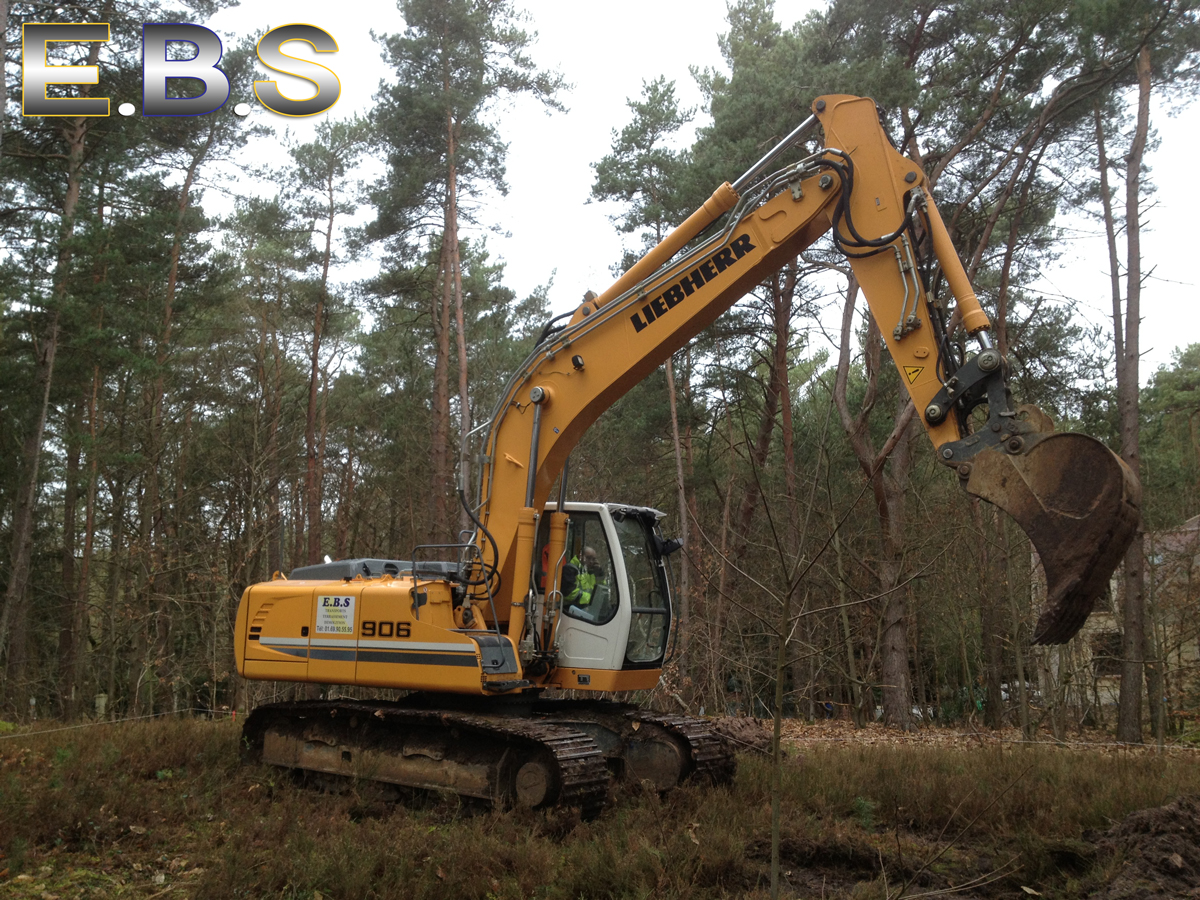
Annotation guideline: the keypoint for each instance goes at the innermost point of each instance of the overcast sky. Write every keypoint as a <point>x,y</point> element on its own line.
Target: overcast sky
<point>546,230</point>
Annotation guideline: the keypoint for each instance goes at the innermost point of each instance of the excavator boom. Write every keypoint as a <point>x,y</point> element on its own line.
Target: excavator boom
<point>1074,498</point>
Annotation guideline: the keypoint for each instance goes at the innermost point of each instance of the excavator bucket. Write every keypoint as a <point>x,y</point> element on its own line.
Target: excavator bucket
<point>1079,504</point>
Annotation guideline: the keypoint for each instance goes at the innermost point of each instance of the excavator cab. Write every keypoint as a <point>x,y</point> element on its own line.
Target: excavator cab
<point>612,610</point>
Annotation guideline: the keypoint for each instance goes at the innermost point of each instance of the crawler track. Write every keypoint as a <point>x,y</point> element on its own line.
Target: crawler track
<point>543,754</point>
<point>506,760</point>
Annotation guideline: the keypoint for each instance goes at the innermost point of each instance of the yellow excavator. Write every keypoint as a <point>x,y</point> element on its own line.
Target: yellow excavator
<point>551,594</point>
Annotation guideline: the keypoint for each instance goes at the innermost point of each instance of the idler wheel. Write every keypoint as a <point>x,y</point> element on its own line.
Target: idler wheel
<point>533,784</point>
<point>660,762</point>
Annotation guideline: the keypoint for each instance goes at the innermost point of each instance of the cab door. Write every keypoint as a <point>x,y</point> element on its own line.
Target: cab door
<point>594,621</point>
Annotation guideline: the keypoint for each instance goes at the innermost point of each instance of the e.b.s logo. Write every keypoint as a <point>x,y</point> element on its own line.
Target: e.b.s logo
<point>37,74</point>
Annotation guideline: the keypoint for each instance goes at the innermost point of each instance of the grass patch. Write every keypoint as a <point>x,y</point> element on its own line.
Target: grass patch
<point>132,810</point>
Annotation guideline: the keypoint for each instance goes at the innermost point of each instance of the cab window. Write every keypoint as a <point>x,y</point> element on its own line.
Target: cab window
<point>589,584</point>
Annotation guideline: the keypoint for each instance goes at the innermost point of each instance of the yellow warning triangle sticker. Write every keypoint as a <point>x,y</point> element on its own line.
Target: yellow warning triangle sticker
<point>912,372</point>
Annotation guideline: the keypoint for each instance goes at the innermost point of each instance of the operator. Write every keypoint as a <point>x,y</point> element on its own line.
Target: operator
<point>589,586</point>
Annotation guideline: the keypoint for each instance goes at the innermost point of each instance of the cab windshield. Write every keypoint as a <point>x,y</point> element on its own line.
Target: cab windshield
<point>651,621</point>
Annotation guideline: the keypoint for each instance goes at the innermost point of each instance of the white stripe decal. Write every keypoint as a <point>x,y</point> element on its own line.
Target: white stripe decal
<point>416,645</point>
<point>284,642</point>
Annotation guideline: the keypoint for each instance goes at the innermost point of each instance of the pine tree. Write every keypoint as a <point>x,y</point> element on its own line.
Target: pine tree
<point>454,62</point>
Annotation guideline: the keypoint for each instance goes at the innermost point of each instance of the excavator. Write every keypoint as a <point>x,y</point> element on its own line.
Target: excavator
<point>574,598</point>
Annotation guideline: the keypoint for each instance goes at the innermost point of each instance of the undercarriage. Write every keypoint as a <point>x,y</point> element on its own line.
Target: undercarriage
<point>538,754</point>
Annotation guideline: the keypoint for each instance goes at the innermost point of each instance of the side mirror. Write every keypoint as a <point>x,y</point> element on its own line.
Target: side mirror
<point>667,547</point>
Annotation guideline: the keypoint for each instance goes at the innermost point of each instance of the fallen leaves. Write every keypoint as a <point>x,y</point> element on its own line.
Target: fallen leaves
<point>966,736</point>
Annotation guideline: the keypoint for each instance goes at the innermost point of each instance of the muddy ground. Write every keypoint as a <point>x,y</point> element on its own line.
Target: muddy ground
<point>1158,852</point>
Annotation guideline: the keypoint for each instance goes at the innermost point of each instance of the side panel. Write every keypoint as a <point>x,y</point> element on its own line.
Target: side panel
<point>369,632</point>
<point>240,630</point>
<point>413,648</point>
<point>273,621</point>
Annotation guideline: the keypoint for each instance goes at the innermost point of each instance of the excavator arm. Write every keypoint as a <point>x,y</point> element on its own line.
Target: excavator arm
<point>1074,498</point>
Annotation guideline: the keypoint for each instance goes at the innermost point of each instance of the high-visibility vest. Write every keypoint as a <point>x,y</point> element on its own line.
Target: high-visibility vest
<point>585,585</point>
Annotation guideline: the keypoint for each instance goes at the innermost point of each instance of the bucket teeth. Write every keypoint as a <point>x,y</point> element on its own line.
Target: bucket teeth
<point>1079,505</point>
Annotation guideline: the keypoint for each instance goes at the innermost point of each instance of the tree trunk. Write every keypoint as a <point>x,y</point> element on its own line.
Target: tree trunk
<point>3,55</point>
<point>717,608</point>
<point>323,431</point>
<point>897,684</point>
<point>1129,709</point>
<point>68,636</point>
<point>992,603</point>
<point>13,617</point>
<point>158,543</point>
<point>1018,643</point>
<point>781,660</point>
<point>847,636</point>
<point>346,498</point>
<point>312,471</point>
<point>1155,664</point>
<point>684,592</point>
<point>783,322</point>
<point>13,620</point>
<point>272,388</point>
<point>439,525</point>
<point>299,552</point>
<point>115,577</point>
<point>81,620</point>
<point>888,493</point>
<point>782,295</point>
<point>464,397</point>
<point>312,484</point>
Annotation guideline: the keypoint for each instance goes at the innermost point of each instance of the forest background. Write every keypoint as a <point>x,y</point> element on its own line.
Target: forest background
<point>218,362</point>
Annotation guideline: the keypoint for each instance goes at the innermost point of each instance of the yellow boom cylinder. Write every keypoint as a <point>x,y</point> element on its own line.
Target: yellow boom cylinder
<point>721,201</point>
<point>555,552</point>
<point>555,547</point>
<point>973,317</point>
<point>526,532</point>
